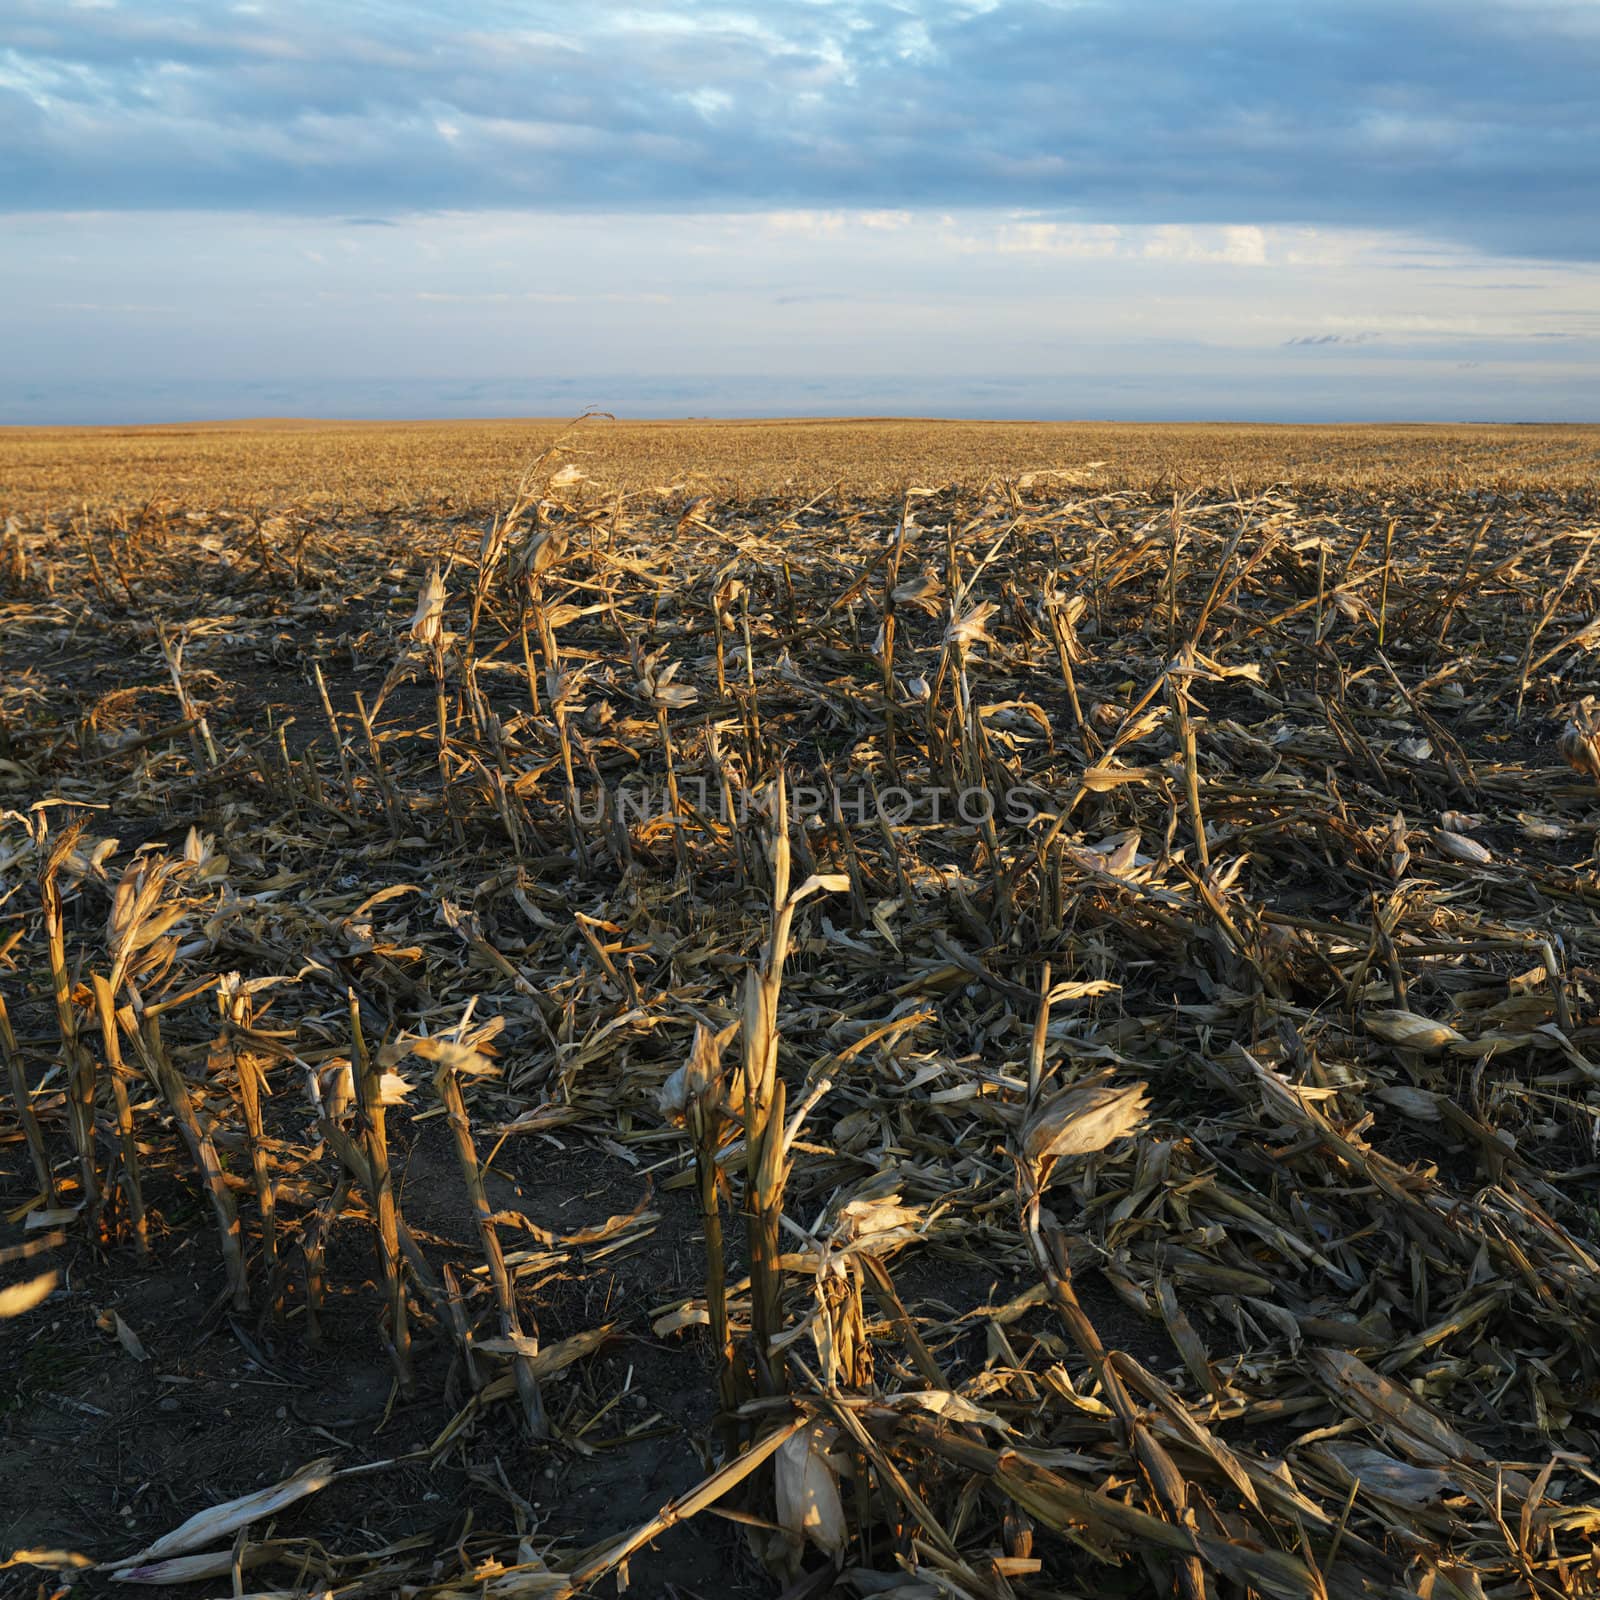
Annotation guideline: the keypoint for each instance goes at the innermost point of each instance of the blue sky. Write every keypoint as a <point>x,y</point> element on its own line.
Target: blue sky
<point>1304,209</point>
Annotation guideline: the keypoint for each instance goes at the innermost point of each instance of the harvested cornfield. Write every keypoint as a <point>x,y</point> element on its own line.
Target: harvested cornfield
<point>456,468</point>
<point>1016,1038</point>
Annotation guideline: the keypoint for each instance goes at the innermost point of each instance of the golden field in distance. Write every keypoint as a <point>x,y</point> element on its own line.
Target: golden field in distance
<point>474,465</point>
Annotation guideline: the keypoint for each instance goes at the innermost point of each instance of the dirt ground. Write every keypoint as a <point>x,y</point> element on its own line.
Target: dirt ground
<point>102,1452</point>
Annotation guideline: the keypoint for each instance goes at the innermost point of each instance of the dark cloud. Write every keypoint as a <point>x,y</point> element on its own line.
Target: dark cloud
<point>1474,120</point>
<point>1331,338</point>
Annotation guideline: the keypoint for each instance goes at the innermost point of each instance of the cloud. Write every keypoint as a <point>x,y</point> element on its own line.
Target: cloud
<point>1238,246</point>
<point>1470,120</point>
<point>1031,237</point>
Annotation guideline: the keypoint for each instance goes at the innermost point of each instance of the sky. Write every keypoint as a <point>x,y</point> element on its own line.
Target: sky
<point>1292,210</point>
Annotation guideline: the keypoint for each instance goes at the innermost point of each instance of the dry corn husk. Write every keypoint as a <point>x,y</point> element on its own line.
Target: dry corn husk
<point>1543,829</point>
<point>1398,845</point>
<point>210,1564</point>
<point>1101,779</point>
<point>546,1361</point>
<point>1579,741</point>
<point>427,623</point>
<point>808,1489</point>
<point>970,626</point>
<point>1460,848</point>
<point>222,1521</point>
<point>877,1223</point>
<point>1412,1032</point>
<point>1083,1119</point>
<point>1418,1104</point>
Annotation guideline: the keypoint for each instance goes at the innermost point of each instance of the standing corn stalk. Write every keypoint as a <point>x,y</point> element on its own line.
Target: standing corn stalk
<point>663,695</point>
<point>530,563</point>
<point>697,1092</point>
<point>886,632</point>
<point>562,690</point>
<point>392,806</point>
<point>158,1064</point>
<point>1178,673</point>
<point>22,1100</point>
<point>427,630</point>
<point>105,1013</point>
<point>233,997</point>
<point>1063,612</point>
<point>766,1166</point>
<point>77,1060</point>
<point>139,940</point>
<point>205,751</point>
<point>370,1098</point>
<point>352,795</point>
<point>357,1167</point>
<point>452,1059</point>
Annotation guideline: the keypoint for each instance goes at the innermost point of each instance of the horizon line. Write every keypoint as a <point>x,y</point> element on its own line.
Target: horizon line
<point>295,420</point>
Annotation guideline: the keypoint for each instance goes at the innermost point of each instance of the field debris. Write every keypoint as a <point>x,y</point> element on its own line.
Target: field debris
<point>1044,1034</point>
